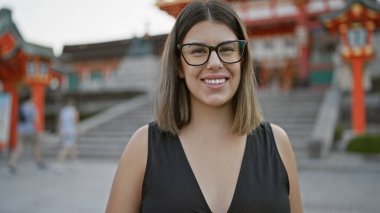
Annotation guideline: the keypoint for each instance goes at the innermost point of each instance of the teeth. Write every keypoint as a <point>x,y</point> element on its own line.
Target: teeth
<point>215,81</point>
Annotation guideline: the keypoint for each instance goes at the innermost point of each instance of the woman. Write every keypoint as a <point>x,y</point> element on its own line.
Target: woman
<point>208,149</point>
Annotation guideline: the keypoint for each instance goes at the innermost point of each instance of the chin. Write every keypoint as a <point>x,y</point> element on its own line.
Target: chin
<point>217,103</point>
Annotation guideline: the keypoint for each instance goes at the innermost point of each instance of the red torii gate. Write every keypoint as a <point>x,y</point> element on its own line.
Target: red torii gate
<point>22,63</point>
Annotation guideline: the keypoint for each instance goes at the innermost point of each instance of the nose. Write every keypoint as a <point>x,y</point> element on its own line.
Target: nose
<point>214,62</point>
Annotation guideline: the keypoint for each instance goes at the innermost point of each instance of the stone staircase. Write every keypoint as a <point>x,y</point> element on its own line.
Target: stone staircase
<point>109,139</point>
<point>295,112</point>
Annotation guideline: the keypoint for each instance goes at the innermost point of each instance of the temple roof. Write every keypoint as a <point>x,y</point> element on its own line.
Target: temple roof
<point>35,49</point>
<point>119,48</point>
<point>8,26</point>
<point>174,7</point>
<point>262,11</point>
<point>108,49</point>
<point>349,15</point>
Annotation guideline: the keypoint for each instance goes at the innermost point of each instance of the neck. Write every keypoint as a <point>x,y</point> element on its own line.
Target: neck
<point>208,120</point>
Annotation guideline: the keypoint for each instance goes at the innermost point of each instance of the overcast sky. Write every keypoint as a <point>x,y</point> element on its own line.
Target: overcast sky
<point>55,23</point>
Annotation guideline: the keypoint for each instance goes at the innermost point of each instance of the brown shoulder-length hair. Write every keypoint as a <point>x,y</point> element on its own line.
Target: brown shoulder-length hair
<point>172,100</point>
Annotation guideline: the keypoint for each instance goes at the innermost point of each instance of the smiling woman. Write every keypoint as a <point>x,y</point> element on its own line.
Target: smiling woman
<point>208,149</point>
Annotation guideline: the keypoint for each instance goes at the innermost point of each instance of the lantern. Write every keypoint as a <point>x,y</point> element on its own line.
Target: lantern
<point>355,24</point>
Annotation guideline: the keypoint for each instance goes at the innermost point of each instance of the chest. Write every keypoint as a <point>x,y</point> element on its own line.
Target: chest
<point>216,168</point>
<point>183,179</point>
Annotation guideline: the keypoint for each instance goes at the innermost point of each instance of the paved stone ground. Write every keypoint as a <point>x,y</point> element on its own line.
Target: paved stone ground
<point>342,183</point>
<point>81,187</point>
<point>340,191</point>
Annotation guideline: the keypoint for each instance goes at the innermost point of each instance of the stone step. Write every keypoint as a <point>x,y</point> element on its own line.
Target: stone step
<point>127,121</point>
<point>103,140</point>
<point>297,128</point>
<point>110,133</point>
<point>299,146</point>
<point>289,106</point>
<point>290,99</point>
<point>287,119</point>
<point>291,120</point>
<point>142,113</point>
<point>304,112</point>
<point>92,151</point>
<point>304,138</point>
<point>300,155</point>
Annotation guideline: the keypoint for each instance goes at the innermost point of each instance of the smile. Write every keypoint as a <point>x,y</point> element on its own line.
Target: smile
<point>215,81</point>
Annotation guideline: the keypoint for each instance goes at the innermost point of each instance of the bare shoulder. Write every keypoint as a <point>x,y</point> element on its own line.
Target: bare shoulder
<point>285,150</point>
<point>137,145</point>
<point>126,189</point>
<point>282,140</point>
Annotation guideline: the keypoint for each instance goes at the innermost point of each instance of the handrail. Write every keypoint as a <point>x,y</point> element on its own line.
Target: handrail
<point>112,113</point>
<point>322,136</point>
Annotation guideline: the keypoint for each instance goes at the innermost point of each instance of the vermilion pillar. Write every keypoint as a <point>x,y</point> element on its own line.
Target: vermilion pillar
<point>358,101</point>
<point>303,64</point>
<point>10,86</point>
<point>302,32</point>
<point>38,95</point>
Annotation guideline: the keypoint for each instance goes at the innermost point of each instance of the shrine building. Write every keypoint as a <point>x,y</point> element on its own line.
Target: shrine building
<point>289,44</point>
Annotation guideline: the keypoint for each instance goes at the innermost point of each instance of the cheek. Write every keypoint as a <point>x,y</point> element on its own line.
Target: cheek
<point>236,70</point>
<point>190,71</point>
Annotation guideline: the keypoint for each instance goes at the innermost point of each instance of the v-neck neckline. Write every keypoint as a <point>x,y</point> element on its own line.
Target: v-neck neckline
<point>195,178</point>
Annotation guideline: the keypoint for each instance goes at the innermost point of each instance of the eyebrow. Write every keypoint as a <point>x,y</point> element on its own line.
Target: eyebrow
<point>197,42</point>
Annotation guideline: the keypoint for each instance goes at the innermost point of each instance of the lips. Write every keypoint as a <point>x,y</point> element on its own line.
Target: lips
<point>215,79</point>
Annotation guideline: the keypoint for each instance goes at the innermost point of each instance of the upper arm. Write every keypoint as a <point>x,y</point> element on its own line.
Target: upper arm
<point>127,185</point>
<point>285,150</point>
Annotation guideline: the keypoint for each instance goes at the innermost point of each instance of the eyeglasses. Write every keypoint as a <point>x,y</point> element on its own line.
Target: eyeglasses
<point>196,54</point>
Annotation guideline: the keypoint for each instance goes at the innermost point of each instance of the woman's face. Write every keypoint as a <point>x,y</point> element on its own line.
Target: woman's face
<point>215,82</point>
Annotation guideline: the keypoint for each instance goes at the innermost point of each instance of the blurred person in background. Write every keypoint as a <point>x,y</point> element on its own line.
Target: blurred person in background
<point>208,149</point>
<point>67,127</point>
<point>27,133</point>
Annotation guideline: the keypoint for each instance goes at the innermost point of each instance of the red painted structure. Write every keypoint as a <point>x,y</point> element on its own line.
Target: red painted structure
<point>303,36</point>
<point>11,71</point>
<point>272,18</point>
<point>22,64</point>
<point>355,25</point>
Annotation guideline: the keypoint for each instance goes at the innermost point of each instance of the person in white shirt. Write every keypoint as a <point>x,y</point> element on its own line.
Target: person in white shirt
<point>68,131</point>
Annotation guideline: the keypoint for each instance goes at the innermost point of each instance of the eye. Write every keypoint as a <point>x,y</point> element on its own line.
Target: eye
<point>228,48</point>
<point>199,50</point>
<point>195,50</point>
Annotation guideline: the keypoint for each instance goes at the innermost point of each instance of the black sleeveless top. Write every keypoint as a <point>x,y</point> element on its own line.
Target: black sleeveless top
<point>170,185</point>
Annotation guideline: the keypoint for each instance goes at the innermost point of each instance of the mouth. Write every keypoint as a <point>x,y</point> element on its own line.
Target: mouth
<point>215,81</point>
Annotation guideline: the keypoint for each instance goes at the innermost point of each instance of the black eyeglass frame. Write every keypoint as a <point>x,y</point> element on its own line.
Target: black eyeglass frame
<point>214,48</point>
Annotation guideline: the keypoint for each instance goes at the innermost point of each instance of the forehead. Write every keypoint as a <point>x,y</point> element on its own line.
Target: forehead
<point>209,32</point>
